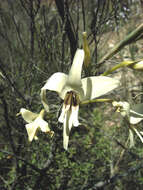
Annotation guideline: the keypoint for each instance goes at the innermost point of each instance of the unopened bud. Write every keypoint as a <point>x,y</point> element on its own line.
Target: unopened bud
<point>137,66</point>
<point>86,50</point>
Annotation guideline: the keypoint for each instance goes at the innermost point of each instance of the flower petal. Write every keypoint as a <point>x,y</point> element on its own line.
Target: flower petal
<point>27,115</point>
<point>136,113</point>
<point>66,130</point>
<point>42,124</point>
<point>135,120</point>
<point>131,137</point>
<point>137,66</point>
<point>74,78</point>
<point>137,110</point>
<point>124,108</point>
<point>65,138</point>
<point>68,88</point>
<point>139,135</point>
<point>34,126</point>
<point>56,82</point>
<point>35,138</point>
<point>97,86</point>
<point>71,118</point>
<point>74,116</point>
<point>65,108</point>
<point>31,130</point>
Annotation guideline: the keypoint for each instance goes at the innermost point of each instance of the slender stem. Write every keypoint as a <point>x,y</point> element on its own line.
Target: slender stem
<point>25,161</point>
<point>83,14</point>
<point>122,64</point>
<point>127,40</point>
<point>120,157</point>
<point>68,25</point>
<point>10,82</point>
<point>141,138</point>
<point>95,101</point>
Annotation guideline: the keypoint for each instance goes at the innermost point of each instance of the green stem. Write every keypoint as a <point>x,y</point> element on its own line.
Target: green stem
<point>132,37</point>
<point>95,101</point>
<point>122,64</point>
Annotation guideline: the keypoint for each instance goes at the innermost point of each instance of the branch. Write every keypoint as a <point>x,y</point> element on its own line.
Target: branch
<point>104,183</point>
<point>10,82</point>
<point>83,15</point>
<point>19,158</point>
<point>68,27</point>
<point>130,38</point>
<point>5,106</point>
<point>134,156</point>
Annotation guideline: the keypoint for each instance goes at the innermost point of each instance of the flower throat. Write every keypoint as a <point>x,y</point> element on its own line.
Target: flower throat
<point>71,99</point>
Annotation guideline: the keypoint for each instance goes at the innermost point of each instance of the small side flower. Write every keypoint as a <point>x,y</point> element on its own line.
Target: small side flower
<point>35,122</point>
<point>133,114</point>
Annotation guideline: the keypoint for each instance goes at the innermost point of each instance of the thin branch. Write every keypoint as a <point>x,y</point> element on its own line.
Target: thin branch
<point>127,40</point>
<point>113,179</point>
<point>77,21</point>
<point>68,27</point>
<point>19,158</point>
<point>10,82</point>
<point>16,26</point>
<point>134,156</point>
<point>24,6</point>
<point>8,123</point>
<point>120,158</point>
<point>5,182</point>
<point>48,163</point>
<point>83,15</point>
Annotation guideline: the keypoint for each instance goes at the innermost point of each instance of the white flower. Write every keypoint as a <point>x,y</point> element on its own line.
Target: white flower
<point>35,122</point>
<point>122,107</point>
<point>134,114</point>
<point>72,89</point>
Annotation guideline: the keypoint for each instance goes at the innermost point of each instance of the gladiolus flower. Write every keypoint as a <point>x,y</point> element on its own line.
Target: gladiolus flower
<point>72,89</point>
<point>134,116</point>
<point>35,122</point>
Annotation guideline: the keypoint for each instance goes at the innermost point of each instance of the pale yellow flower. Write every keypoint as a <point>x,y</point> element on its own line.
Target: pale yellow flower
<point>134,115</point>
<point>72,89</point>
<point>35,122</point>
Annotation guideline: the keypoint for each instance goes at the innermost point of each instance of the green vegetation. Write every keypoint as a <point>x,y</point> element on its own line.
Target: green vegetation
<point>39,38</point>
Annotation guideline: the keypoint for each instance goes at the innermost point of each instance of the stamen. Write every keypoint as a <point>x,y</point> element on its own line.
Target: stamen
<point>71,99</point>
<point>75,99</point>
<point>68,97</point>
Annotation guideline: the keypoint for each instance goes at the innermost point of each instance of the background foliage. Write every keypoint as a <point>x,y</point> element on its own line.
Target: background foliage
<point>39,38</point>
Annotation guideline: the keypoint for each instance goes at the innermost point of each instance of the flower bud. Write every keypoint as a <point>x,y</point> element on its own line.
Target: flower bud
<point>86,50</point>
<point>137,66</point>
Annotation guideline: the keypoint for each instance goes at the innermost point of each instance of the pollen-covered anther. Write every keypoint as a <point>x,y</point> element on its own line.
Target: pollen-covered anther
<point>71,99</point>
<point>118,109</point>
